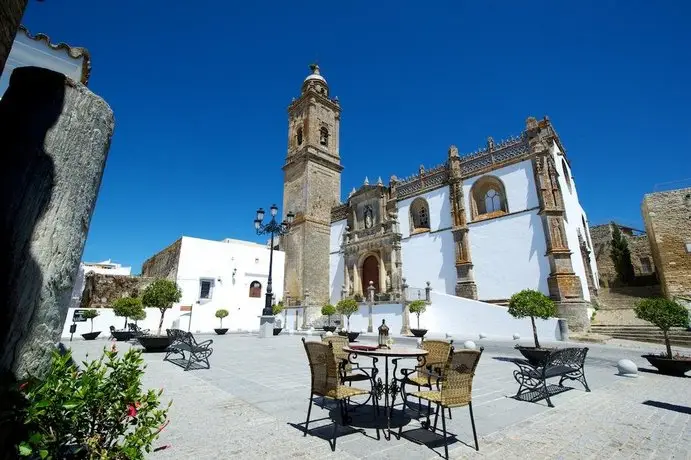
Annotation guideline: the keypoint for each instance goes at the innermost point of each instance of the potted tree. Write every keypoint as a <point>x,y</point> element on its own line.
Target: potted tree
<point>90,315</point>
<point>138,315</point>
<point>347,307</point>
<point>161,294</point>
<point>220,314</point>
<point>328,310</point>
<point>665,314</point>
<point>533,304</point>
<point>418,307</point>
<point>126,307</point>
<point>277,309</point>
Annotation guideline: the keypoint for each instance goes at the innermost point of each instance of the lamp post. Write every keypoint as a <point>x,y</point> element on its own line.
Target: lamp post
<point>273,228</point>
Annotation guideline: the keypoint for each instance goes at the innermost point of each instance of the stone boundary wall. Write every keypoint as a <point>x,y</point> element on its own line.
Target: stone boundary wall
<point>100,290</point>
<point>163,264</point>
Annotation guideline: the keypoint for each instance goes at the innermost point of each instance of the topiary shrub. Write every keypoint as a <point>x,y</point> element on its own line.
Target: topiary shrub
<point>161,294</point>
<point>534,304</point>
<point>91,314</point>
<point>220,314</point>
<point>328,310</point>
<point>100,412</point>
<point>663,313</point>
<point>347,307</point>
<point>417,307</point>
<point>277,308</point>
<point>127,307</point>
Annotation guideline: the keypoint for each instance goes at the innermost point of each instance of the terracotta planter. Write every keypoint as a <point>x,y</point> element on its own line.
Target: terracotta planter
<point>418,332</point>
<point>329,328</point>
<point>154,343</point>
<point>277,330</point>
<point>91,335</point>
<point>535,356</point>
<point>221,331</point>
<point>677,367</point>
<point>123,336</point>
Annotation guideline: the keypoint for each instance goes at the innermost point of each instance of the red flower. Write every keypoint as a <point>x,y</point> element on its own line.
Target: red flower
<point>137,404</point>
<point>22,386</point>
<point>131,410</point>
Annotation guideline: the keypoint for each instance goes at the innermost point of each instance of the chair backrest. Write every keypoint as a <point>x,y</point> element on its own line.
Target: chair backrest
<point>458,377</point>
<point>439,352</point>
<point>322,367</point>
<point>112,328</point>
<point>338,342</point>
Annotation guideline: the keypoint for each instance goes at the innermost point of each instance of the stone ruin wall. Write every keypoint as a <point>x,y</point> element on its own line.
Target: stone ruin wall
<point>639,246</point>
<point>100,291</point>
<point>163,264</point>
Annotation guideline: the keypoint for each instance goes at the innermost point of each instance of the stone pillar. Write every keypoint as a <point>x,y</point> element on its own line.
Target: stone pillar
<point>428,293</point>
<point>405,326</point>
<point>56,136</point>
<point>564,285</point>
<point>11,12</point>
<point>465,279</point>
<point>343,291</point>
<point>370,302</point>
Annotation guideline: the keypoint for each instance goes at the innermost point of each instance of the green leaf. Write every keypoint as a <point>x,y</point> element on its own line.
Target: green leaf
<point>70,405</point>
<point>24,450</point>
<point>43,454</point>
<point>44,403</point>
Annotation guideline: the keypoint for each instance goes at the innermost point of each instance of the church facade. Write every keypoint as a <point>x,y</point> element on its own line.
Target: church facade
<point>481,226</point>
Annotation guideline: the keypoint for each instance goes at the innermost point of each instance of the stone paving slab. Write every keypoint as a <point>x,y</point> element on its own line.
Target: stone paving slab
<point>251,402</point>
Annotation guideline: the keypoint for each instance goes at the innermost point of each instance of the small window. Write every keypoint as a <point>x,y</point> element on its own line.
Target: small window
<point>324,137</point>
<point>419,216</point>
<point>487,198</point>
<point>492,200</point>
<point>567,175</point>
<point>255,289</point>
<point>646,266</point>
<point>205,288</point>
<point>299,136</point>
<point>688,248</point>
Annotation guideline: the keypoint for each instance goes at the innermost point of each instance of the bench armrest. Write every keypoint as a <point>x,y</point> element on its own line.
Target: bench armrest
<point>205,343</point>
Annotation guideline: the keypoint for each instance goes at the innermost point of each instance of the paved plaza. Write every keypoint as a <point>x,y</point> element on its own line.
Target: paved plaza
<point>252,403</point>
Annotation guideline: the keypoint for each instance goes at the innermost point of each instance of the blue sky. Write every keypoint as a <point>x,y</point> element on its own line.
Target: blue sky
<point>200,97</point>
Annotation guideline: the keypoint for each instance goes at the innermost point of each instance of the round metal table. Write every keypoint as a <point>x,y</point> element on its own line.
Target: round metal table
<point>386,388</point>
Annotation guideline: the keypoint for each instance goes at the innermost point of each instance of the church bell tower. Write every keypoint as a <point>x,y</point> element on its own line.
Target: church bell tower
<point>311,187</point>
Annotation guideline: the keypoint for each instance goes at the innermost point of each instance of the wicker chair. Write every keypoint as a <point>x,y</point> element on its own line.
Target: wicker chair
<point>350,372</point>
<point>433,372</point>
<point>326,382</point>
<point>456,390</point>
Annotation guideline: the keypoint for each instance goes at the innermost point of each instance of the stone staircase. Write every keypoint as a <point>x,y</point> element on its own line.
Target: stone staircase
<point>643,333</point>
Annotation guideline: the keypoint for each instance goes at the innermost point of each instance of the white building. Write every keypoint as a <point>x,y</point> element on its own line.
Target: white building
<point>107,267</point>
<point>228,274</point>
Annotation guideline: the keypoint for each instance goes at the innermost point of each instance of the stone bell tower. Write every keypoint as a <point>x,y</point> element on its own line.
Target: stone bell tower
<point>311,187</point>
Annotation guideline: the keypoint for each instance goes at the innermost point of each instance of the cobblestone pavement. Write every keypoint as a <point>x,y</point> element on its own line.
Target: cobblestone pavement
<point>251,402</point>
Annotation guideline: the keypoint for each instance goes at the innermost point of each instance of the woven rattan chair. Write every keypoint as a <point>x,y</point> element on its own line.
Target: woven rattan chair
<point>326,382</point>
<point>432,374</point>
<point>456,390</point>
<point>350,371</point>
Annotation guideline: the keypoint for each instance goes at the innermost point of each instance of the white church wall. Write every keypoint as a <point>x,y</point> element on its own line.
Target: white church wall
<point>439,211</point>
<point>430,257</point>
<point>358,320</point>
<point>392,313</point>
<point>509,255</point>
<point>574,223</point>
<point>231,265</point>
<point>453,315</point>
<point>336,260</point>
<point>519,183</point>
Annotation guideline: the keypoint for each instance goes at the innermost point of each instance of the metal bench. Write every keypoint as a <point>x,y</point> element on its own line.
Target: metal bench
<point>137,331</point>
<point>567,363</point>
<point>189,354</point>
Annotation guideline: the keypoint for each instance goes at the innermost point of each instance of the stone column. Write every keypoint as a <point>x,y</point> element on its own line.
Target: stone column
<point>56,136</point>
<point>465,278</point>
<point>564,285</point>
<point>370,303</point>
<point>405,326</point>
<point>428,292</point>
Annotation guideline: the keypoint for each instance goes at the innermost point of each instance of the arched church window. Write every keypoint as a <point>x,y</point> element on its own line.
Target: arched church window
<point>255,289</point>
<point>298,136</point>
<point>419,216</point>
<point>487,198</point>
<point>324,136</point>
<point>567,175</point>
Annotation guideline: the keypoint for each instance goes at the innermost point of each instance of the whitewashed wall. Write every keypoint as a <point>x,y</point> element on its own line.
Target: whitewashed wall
<point>509,255</point>
<point>107,318</point>
<point>519,183</point>
<point>574,222</point>
<point>464,317</point>
<point>217,260</point>
<point>336,260</point>
<point>435,247</point>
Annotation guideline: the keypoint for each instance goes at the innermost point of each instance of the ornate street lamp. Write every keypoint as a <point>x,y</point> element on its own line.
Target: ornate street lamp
<point>273,228</point>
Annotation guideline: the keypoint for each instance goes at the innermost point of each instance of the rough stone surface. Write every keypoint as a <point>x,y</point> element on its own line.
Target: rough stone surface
<point>163,264</point>
<point>56,139</point>
<point>666,216</point>
<point>11,12</point>
<point>101,290</point>
<point>639,246</point>
<point>626,366</point>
